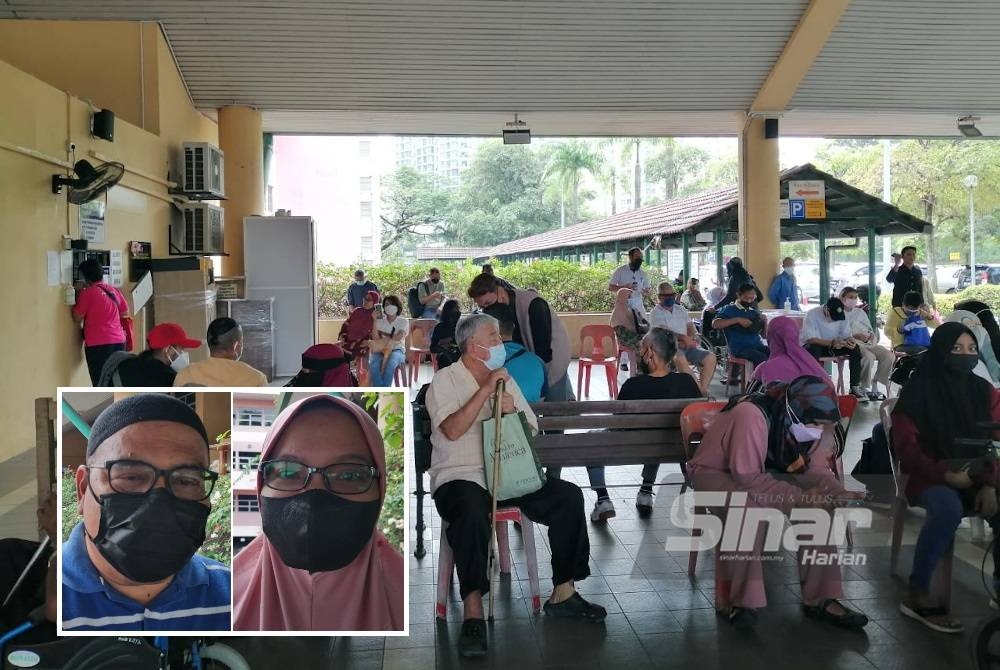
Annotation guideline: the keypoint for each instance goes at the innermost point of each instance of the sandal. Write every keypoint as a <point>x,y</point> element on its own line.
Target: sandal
<point>575,607</point>
<point>849,619</point>
<point>935,618</point>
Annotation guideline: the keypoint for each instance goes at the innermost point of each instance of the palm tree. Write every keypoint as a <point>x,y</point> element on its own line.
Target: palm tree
<point>629,149</point>
<point>569,161</point>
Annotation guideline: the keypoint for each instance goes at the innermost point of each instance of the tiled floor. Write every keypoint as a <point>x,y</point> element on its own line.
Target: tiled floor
<point>658,616</point>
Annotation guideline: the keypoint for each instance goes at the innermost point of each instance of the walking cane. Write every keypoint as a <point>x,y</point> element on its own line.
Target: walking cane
<point>24,573</point>
<point>497,416</point>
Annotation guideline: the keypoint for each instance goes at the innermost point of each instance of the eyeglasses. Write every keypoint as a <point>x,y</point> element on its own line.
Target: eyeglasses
<point>187,482</point>
<point>342,478</point>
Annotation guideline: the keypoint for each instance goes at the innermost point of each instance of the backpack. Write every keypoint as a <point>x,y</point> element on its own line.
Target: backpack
<point>874,469</point>
<point>110,377</point>
<point>413,300</point>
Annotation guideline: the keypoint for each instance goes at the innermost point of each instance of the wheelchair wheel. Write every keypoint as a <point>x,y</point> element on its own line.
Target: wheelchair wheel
<point>985,644</point>
<point>218,656</point>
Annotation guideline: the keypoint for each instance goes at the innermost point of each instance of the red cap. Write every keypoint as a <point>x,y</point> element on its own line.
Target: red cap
<point>373,296</point>
<point>170,334</point>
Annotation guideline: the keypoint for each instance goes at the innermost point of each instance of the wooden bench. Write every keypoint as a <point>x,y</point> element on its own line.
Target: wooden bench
<point>579,434</point>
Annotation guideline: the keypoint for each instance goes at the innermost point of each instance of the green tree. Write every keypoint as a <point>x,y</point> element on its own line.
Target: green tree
<point>501,197</point>
<point>676,165</point>
<point>416,208</point>
<point>569,162</point>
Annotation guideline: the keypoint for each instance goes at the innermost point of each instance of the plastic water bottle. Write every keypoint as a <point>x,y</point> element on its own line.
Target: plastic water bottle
<point>788,305</point>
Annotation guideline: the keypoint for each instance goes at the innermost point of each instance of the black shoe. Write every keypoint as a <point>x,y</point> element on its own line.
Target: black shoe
<point>624,367</point>
<point>849,619</point>
<point>742,618</point>
<point>472,642</point>
<point>575,607</point>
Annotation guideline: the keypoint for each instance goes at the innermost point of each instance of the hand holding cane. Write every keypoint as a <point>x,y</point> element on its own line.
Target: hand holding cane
<point>497,418</point>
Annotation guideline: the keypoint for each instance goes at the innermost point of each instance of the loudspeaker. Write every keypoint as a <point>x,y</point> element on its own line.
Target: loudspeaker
<point>104,125</point>
<point>770,129</point>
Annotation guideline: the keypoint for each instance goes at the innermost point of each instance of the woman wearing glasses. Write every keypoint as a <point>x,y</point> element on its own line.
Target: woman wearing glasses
<point>320,563</point>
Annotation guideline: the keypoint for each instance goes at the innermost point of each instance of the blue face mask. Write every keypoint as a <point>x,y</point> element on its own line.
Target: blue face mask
<point>498,356</point>
<point>668,302</point>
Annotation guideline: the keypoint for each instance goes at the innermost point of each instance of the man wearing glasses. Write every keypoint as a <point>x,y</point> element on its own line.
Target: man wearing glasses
<point>671,315</point>
<point>144,496</point>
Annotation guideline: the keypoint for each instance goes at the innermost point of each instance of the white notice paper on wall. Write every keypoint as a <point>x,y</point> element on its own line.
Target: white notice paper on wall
<point>92,221</point>
<point>117,268</point>
<point>52,267</point>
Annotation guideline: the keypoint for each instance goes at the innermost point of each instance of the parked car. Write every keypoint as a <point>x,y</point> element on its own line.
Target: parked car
<point>859,280</point>
<point>988,274</point>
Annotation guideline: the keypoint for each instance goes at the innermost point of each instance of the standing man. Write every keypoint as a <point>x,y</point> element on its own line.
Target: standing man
<point>783,287</point>
<point>826,333</point>
<point>356,292</point>
<point>671,315</point>
<point>904,275</point>
<point>223,367</point>
<point>631,276</point>
<point>538,328</point>
<point>431,294</point>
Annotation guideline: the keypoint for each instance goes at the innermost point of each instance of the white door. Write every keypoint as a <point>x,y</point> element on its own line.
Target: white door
<point>279,263</point>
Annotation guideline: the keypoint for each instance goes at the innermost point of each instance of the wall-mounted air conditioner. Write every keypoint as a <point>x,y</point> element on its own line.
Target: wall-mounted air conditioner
<point>199,232</point>
<point>202,174</point>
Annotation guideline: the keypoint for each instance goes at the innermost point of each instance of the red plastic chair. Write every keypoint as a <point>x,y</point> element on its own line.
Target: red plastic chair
<point>599,356</point>
<point>420,346</point>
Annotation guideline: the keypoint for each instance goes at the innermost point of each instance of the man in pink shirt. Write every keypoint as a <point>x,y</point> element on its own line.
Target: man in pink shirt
<point>100,308</point>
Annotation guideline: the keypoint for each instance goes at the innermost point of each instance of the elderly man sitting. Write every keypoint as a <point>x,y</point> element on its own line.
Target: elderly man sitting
<point>458,401</point>
<point>144,496</point>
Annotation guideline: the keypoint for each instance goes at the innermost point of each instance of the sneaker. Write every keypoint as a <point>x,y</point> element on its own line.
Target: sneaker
<point>859,394</point>
<point>644,503</point>
<point>624,367</point>
<point>603,510</point>
<point>575,607</point>
<point>935,618</point>
<point>472,641</point>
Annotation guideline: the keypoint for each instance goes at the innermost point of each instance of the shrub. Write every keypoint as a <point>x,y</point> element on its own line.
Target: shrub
<point>390,411</point>
<point>567,286</point>
<point>987,293</point>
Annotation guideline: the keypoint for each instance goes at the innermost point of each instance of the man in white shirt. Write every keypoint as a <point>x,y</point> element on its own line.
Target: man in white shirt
<point>223,367</point>
<point>671,315</point>
<point>872,352</point>
<point>826,334</point>
<point>458,401</point>
<point>631,276</point>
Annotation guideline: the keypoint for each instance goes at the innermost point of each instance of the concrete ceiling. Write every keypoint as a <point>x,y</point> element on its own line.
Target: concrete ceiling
<point>572,67</point>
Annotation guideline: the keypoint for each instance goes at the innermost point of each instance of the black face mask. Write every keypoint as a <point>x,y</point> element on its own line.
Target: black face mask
<point>149,537</point>
<point>960,364</point>
<point>635,265</point>
<point>748,305</point>
<point>317,530</point>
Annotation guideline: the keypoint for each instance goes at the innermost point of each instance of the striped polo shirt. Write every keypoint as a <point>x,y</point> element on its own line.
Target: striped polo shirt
<point>197,599</point>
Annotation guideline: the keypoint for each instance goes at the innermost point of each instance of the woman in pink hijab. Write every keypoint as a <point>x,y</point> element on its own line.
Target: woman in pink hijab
<point>788,360</point>
<point>320,563</point>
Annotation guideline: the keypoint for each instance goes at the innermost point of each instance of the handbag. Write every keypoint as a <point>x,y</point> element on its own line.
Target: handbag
<point>641,324</point>
<point>520,469</point>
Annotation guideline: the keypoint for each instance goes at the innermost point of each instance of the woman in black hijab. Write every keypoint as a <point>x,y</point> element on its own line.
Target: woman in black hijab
<point>738,276</point>
<point>986,317</point>
<point>443,343</point>
<point>941,402</point>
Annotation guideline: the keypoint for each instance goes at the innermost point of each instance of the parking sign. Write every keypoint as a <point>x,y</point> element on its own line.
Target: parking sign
<point>796,209</point>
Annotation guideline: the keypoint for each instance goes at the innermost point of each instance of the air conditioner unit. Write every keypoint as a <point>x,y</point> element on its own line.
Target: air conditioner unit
<point>200,231</point>
<point>202,175</point>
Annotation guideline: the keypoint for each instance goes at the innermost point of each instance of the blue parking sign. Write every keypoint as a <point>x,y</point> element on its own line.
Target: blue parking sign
<point>796,209</point>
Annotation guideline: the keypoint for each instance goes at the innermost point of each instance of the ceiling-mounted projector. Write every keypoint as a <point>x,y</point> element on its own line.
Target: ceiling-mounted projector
<point>516,132</point>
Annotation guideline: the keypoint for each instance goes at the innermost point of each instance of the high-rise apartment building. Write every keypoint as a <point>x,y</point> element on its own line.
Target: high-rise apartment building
<point>443,158</point>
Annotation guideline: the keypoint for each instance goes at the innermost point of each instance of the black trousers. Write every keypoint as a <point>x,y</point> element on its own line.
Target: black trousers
<point>558,504</point>
<point>97,356</point>
<point>853,358</point>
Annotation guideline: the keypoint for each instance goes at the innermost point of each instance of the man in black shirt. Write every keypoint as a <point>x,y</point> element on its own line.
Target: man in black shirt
<point>158,365</point>
<point>906,277</point>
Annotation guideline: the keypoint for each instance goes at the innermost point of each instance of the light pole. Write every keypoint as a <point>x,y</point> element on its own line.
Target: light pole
<point>970,183</point>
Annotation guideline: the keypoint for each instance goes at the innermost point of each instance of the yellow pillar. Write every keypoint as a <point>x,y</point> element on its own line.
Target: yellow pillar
<point>241,138</point>
<point>758,204</point>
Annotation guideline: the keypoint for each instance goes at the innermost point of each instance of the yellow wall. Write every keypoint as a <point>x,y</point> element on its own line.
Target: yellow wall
<point>43,347</point>
<point>107,62</point>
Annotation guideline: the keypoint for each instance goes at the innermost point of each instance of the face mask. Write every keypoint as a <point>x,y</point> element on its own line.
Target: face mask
<point>317,530</point>
<point>790,271</point>
<point>960,364</point>
<point>668,302</point>
<point>643,367</point>
<point>803,433</point>
<point>391,310</point>
<point>181,361</point>
<point>498,356</point>
<point>635,265</point>
<point>851,303</point>
<point>360,282</point>
<point>909,311</point>
<point>239,352</point>
<point>150,537</point>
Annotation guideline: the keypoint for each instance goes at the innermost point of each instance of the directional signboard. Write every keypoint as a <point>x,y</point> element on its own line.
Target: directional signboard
<point>809,189</point>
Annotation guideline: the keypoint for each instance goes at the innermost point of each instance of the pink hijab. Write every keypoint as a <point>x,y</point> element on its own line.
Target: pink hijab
<point>365,595</point>
<point>788,359</point>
